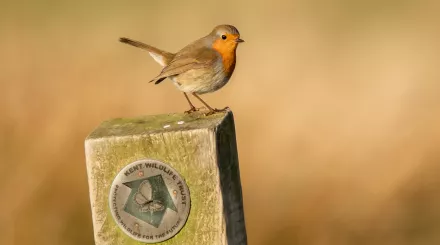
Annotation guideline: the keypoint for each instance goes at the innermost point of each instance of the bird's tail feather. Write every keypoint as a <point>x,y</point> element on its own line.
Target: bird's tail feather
<point>166,57</point>
<point>157,81</point>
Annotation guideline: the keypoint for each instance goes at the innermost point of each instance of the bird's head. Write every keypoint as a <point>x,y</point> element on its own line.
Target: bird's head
<point>225,38</point>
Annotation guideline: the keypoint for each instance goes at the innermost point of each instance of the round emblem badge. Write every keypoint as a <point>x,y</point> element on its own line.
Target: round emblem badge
<point>149,201</point>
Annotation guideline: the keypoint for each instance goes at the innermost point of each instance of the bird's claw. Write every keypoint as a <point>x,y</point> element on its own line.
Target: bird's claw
<point>221,110</point>
<point>213,111</point>
<point>193,109</point>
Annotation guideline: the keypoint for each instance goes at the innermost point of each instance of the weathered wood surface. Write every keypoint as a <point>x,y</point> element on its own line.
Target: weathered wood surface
<point>202,149</point>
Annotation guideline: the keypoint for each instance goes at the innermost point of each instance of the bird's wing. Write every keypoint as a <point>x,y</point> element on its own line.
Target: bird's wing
<point>185,61</point>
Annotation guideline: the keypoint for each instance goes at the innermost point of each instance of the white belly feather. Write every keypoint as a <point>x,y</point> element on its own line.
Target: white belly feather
<point>200,81</point>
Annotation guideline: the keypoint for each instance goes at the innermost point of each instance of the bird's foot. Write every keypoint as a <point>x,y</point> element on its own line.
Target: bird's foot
<point>193,109</point>
<point>222,110</point>
<point>213,111</point>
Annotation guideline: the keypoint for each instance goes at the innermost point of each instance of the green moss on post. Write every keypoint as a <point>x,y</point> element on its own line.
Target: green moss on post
<point>202,149</point>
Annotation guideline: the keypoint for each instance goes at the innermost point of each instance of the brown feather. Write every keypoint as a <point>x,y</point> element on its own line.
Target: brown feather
<point>184,61</point>
<point>167,56</point>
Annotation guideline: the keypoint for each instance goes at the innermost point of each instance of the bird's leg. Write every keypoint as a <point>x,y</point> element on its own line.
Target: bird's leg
<point>193,108</point>
<point>207,106</point>
<point>211,110</point>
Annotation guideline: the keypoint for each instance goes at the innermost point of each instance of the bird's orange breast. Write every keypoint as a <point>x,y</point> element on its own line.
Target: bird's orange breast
<point>227,52</point>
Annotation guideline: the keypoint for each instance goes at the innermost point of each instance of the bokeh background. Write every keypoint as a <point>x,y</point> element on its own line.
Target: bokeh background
<point>336,104</point>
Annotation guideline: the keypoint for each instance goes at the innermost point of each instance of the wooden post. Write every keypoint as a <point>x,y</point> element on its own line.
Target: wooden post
<point>202,149</point>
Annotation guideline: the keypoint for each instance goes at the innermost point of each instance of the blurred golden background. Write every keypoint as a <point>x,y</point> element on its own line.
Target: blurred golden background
<point>336,104</point>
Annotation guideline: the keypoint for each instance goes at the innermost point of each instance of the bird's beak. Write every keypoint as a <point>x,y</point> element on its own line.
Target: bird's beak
<point>239,40</point>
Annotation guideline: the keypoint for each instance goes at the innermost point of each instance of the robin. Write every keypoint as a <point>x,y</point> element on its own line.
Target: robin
<point>203,66</point>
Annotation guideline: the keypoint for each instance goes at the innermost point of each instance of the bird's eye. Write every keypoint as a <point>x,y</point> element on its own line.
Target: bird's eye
<point>224,37</point>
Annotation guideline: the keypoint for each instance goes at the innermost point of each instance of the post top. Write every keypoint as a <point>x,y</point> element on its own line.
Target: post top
<point>157,124</point>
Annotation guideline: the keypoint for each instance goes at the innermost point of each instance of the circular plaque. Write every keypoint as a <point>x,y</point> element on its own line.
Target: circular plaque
<point>149,201</point>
